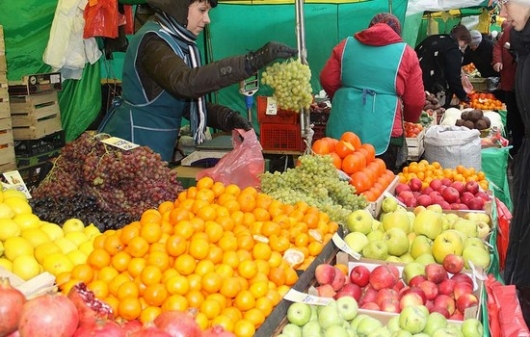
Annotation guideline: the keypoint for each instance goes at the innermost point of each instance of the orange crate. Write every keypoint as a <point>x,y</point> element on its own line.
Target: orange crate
<point>281,137</point>
<point>282,116</point>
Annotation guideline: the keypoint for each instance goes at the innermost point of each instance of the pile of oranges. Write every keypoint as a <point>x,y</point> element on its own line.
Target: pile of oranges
<point>484,101</point>
<point>230,253</point>
<point>368,174</point>
<point>426,172</point>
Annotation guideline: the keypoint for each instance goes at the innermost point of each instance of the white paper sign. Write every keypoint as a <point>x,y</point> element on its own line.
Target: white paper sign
<point>120,143</point>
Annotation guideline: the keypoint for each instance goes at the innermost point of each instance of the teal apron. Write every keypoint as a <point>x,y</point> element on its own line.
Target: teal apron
<point>365,104</point>
<point>133,117</point>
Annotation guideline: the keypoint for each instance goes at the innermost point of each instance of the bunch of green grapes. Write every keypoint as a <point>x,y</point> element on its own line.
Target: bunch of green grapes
<point>317,182</point>
<point>290,81</point>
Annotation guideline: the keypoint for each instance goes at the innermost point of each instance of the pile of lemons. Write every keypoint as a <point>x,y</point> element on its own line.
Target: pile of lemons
<point>29,246</point>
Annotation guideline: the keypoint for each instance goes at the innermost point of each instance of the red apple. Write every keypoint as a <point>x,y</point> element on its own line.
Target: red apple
<point>466,197</point>
<point>441,310</point>
<point>459,186</point>
<point>325,273</point>
<point>360,275</point>
<point>451,195</point>
<point>472,187</point>
<point>445,301</point>
<point>444,204</point>
<point>386,293</point>
<point>424,200</point>
<point>435,272</point>
<point>413,290</point>
<point>399,285</point>
<point>410,202</point>
<point>476,203</point>
<point>427,190</point>
<point>402,187</point>
<point>466,301</point>
<point>458,206</point>
<point>368,295</point>
<point>416,280</point>
<point>483,195</point>
<point>441,188</point>
<point>457,316</point>
<point>429,305</point>
<point>350,289</point>
<point>370,306</point>
<point>383,276</point>
<point>435,184</point>
<point>406,195</point>
<point>446,287</point>
<point>415,184</point>
<point>435,195</point>
<point>430,289</point>
<point>326,290</point>
<point>453,263</point>
<point>410,299</point>
<point>462,277</point>
<point>461,289</point>
<point>339,280</point>
<point>446,181</point>
<point>390,305</point>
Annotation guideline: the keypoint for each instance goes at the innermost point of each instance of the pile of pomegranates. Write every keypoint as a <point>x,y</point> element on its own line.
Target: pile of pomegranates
<point>81,314</point>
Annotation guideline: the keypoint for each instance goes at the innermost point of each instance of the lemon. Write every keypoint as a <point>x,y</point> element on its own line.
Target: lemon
<point>18,205</point>
<point>1,194</point>
<point>8,229</point>
<point>6,264</point>
<point>77,257</point>
<point>73,225</point>
<point>27,220</point>
<point>91,230</point>
<point>35,236</point>
<point>57,263</point>
<point>1,248</point>
<point>6,212</point>
<point>14,247</point>
<point>14,193</point>
<point>26,267</point>
<point>65,245</point>
<point>45,249</point>
<point>86,247</point>
<point>54,231</point>
<point>76,237</point>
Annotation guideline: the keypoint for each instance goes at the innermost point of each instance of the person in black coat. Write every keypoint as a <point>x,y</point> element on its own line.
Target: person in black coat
<point>480,53</point>
<point>440,59</point>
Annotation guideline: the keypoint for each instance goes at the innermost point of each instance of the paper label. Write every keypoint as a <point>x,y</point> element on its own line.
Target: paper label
<point>297,296</point>
<point>15,182</point>
<point>120,143</point>
<point>272,107</point>
<point>337,240</point>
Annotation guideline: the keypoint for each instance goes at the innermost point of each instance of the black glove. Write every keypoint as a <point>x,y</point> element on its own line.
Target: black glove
<point>226,119</point>
<point>236,121</point>
<point>254,61</point>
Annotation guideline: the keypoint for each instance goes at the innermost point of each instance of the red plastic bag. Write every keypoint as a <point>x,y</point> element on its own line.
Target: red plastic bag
<point>241,166</point>
<point>101,19</point>
<point>504,311</point>
<point>504,218</point>
<point>129,19</point>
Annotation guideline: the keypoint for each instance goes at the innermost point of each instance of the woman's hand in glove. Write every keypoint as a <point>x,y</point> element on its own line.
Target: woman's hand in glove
<point>236,121</point>
<point>271,51</point>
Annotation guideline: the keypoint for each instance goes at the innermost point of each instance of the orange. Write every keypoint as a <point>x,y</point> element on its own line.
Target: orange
<point>263,266</point>
<point>205,182</point>
<point>270,228</point>
<point>203,267</point>
<point>185,264</point>
<point>151,275</point>
<point>264,304</point>
<point>150,216</point>
<point>83,273</point>
<point>274,297</point>
<point>244,255</point>
<point>248,269</point>
<point>290,276</point>
<point>176,245</point>
<point>230,287</point>
<point>115,284</point>
<point>151,232</point>
<point>211,308</point>
<point>199,248</point>
<point>275,259</point>
<point>231,258</point>
<point>233,313</point>
<point>223,321</point>
<point>215,254</point>
<point>149,314</point>
<point>135,266</point>
<point>205,195</point>
<point>261,251</point>
<point>155,294</point>
<point>244,300</point>
<point>184,228</point>
<point>195,298</point>
<point>218,188</point>
<point>99,288</point>
<point>245,241</point>
<point>315,248</point>
<point>179,214</point>
<point>247,202</point>
<point>198,204</point>
<point>301,240</point>
<point>228,243</point>
<point>113,244</point>
<point>277,275</point>
<point>127,289</point>
<point>254,316</point>
<point>99,241</point>
<point>137,247</point>
<point>165,207</point>
<point>207,212</point>
<point>202,321</point>
<point>194,281</point>
<point>191,192</point>
<point>129,308</point>
<point>226,222</point>
<point>175,302</point>
<point>343,268</point>
<point>244,328</point>
<point>261,214</point>
<point>214,231</point>
<point>107,274</point>
<point>177,284</point>
<point>159,259</point>
<point>259,288</point>
<point>211,282</point>
<point>113,302</point>
<point>98,258</point>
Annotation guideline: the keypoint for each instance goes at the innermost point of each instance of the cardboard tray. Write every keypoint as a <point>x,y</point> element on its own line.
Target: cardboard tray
<point>40,284</point>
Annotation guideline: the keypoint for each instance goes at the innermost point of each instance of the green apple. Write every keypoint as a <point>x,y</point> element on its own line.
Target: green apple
<point>472,327</point>
<point>393,324</point>
<point>413,319</point>
<point>435,207</point>
<point>380,332</point>
<point>329,316</point>
<point>336,331</point>
<point>445,223</point>
<point>448,242</point>
<point>376,224</point>
<point>312,329</point>
<point>377,250</point>
<point>299,313</point>
<point>421,334</point>
<point>483,230</point>
<point>447,332</point>
<point>360,221</point>
<point>435,321</point>
<point>357,320</point>
<point>412,217</point>
<point>474,242</point>
<point>479,257</point>
<point>389,204</point>
<point>428,223</point>
<point>347,307</point>
<point>397,241</point>
<point>401,333</point>
<point>292,330</point>
<point>392,258</point>
<point>412,269</point>
<point>368,325</point>
<point>406,258</point>
<point>425,259</point>
<point>396,219</point>
<point>462,235</point>
<point>400,208</point>
<point>376,235</point>
<point>356,241</point>
<point>418,209</point>
<point>451,218</point>
<point>420,245</point>
<point>467,227</point>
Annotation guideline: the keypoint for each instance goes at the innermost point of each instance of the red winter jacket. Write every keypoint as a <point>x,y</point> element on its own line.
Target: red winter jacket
<point>502,55</point>
<point>409,83</point>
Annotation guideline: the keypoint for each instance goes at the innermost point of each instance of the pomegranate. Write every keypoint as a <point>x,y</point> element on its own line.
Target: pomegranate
<point>101,328</point>
<point>90,308</point>
<point>10,307</point>
<point>150,331</point>
<point>48,315</point>
<point>130,326</point>
<point>178,324</point>
<point>217,331</point>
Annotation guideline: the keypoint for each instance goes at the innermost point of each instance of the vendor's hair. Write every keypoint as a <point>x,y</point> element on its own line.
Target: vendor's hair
<point>460,32</point>
<point>212,3</point>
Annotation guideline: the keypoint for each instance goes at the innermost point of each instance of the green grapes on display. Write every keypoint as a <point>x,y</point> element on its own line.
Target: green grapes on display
<point>290,81</point>
<point>316,181</point>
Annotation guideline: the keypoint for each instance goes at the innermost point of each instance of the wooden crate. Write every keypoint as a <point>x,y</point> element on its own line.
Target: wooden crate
<point>415,146</point>
<point>7,167</point>
<point>35,116</point>
<point>7,147</point>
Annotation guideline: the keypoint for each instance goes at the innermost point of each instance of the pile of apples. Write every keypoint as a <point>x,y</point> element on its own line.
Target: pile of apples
<point>441,288</point>
<point>451,195</point>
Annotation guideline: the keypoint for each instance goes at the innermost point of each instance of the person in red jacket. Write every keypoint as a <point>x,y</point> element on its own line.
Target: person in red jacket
<point>504,63</point>
<point>375,82</point>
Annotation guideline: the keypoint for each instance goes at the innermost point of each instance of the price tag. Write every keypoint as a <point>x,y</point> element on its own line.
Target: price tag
<point>297,296</point>
<point>15,182</point>
<point>272,107</point>
<point>120,143</point>
<point>337,240</point>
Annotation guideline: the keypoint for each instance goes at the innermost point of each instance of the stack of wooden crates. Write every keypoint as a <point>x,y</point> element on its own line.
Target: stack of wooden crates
<point>36,121</point>
<point>7,149</point>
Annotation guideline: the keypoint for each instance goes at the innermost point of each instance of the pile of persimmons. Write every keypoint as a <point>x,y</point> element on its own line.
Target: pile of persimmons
<point>368,174</point>
<point>484,101</point>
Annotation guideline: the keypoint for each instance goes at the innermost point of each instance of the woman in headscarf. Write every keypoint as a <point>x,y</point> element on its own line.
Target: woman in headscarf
<point>164,81</point>
<point>374,81</point>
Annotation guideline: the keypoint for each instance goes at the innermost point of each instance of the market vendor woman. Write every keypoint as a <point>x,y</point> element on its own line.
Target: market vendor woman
<point>164,81</point>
